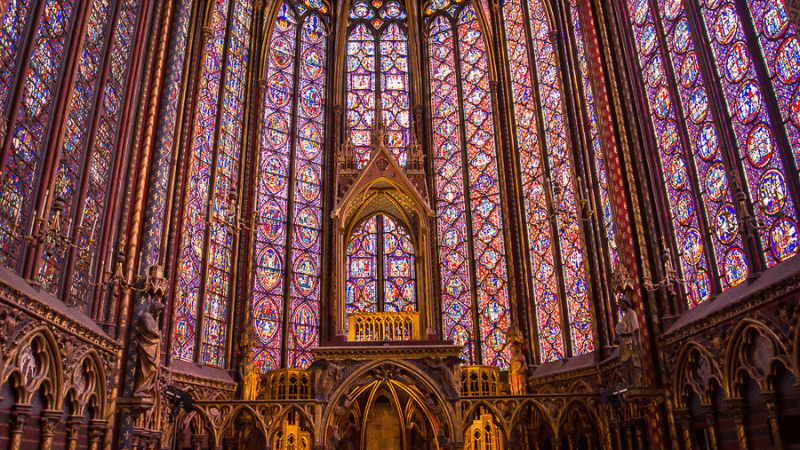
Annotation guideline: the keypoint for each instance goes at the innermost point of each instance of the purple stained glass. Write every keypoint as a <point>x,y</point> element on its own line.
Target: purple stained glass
<point>377,71</point>
<point>399,273</point>
<point>193,252</point>
<point>273,193</point>
<point>306,262</point>
<point>103,153</point>
<point>220,252</point>
<point>748,113</point>
<point>457,315</point>
<point>361,269</point>
<point>548,308</point>
<point>717,201</point>
<point>599,158</point>
<point>579,316</point>
<point>28,127</point>
<point>693,263</point>
<point>75,136</point>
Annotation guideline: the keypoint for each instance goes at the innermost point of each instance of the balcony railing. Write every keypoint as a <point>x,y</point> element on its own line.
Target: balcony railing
<point>287,384</point>
<point>480,380</point>
<point>386,326</point>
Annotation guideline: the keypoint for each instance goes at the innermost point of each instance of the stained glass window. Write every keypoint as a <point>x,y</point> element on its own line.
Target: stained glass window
<point>469,217</point>
<point>380,252</point>
<point>40,84</point>
<point>102,155</point>
<point>758,158</point>
<point>594,132</point>
<point>378,41</point>
<point>288,203</point>
<point>27,128</point>
<point>69,168</point>
<point>214,170</point>
<point>693,262</point>
<point>764,170</point>
<point>549,186</point>
<point>717,204</point>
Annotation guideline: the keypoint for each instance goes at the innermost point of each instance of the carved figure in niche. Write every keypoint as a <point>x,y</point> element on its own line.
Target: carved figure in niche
<point>251,380</point>
<point>446,377</point>
<point>334,439</point>
<point>148,350</point>
<point>630,346</point>
<point>444,441</point>
<point>518,365</point>
<point>326,378</point>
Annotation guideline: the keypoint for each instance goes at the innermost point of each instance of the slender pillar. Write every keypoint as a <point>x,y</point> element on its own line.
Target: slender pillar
<point>738,409</point>
<point>49,419</point>
<point>772,408</point>
<point>711,425</point>
<point>19,417</point>
<point>73,428</point>
<point>684,421</point>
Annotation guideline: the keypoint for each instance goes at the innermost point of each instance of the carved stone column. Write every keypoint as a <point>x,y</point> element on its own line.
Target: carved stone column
<point>73,428</point>
<point>96,430</point>
<point>711,424</point>
<point>772,407</point>
<point>739,410</point>
<point>684,422</point>
<point>19,417</point>
<point>570,431</point>
<point>49,419</point>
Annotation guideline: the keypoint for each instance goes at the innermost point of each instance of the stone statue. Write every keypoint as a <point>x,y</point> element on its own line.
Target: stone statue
<point>444,441</point>
<point>326,379</point>
<point>148,350</point>
<point>445,375</point>
<point>251,380</point>
<point>630,348</point>
<point>334,439</point>
<point>517,371</point>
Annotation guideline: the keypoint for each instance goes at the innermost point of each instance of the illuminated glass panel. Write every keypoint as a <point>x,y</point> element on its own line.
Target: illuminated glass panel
<point>28,127</point>
<point>378,41</point>
<point>457,317</point>
<point>594,132</point>
<point>545,297</point>
<point>304,303</point>
<point>399,283</point>
<point>10,38</point>
<point>569,235</point>
<point>273,188</point>
<point>484,192</point>
<point>764,171</point>
<point>693,261</point>
<point>361,269</point>
<point>361,89</point>
<point>717,199</point>
<point>76,134</point>
<point>781,51</point>
<point>102,154</point>
<point>198,191</point>
<point>218,278</point>
<point>394,96</point>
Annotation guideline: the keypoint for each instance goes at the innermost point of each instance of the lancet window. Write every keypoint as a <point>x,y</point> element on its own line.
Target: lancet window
<point>377,75</point>
<point>474,293</point>
<point>726,164</point>
<point>550,188</point>
<point>380,268</point>
<point>65,189</point>
<point>203,309</point>
<point>288,206</point>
